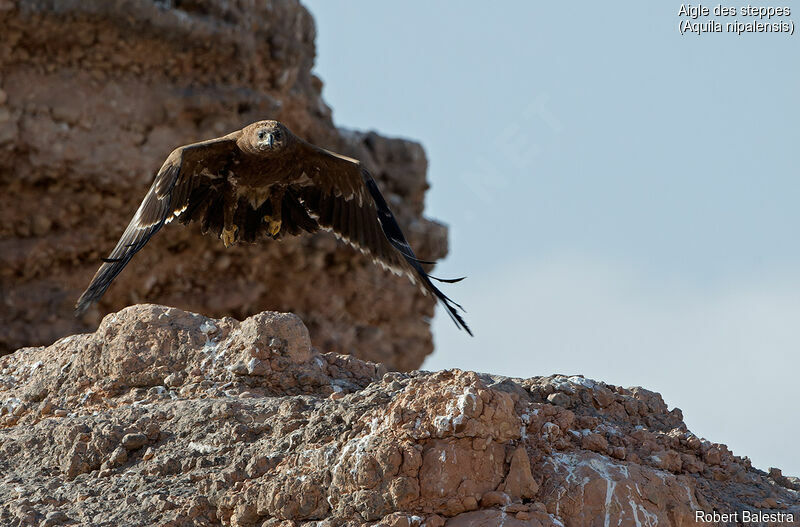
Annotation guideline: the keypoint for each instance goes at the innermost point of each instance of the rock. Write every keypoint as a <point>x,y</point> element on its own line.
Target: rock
<point>93,97</point>
<point>788,482</point>
<point>495,499</point>
<point>55,518</point>
<point>560,399</point>
<point>173,380</point>
<point>492,517</point>
<point>118,457</point>
<point>691,464</point>
<point>519,482</point>
<point>713,456</point>
<point>134,441</point>
<point>595,442</point>
<point>256,367</point>
<point>393,448</point>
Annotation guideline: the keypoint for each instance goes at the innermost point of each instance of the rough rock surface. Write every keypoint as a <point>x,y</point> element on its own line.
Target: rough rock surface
<point>94,94</point>
<point>163,417</point>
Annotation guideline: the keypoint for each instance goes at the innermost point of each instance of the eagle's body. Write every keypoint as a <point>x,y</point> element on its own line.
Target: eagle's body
<point>265,181</point>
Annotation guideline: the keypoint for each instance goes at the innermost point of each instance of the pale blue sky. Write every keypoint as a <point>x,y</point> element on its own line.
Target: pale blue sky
<point>622,198</point>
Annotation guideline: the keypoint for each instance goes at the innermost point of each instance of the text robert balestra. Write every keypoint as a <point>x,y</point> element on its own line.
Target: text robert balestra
<point>744,516</point>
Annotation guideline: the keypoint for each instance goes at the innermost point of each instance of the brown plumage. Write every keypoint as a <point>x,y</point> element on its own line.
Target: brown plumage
<point>265,181</point>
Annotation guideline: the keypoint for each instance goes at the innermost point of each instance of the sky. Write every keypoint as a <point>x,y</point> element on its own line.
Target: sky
<point>622,197</point>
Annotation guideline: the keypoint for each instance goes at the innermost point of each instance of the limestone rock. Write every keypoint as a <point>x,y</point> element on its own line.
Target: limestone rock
<point>158,419</point>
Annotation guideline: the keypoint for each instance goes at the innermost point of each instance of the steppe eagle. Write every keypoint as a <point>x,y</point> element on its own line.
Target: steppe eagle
<point>265,181</point>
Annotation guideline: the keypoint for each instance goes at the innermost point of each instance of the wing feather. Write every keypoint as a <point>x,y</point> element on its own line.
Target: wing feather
<point>169,196</point>
<point>346,200</point>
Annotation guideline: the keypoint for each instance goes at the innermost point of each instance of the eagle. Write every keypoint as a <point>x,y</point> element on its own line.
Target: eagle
<point>264,181</point>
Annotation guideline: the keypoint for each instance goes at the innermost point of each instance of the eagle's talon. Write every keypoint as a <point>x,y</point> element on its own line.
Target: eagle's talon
<point>274,227</point>
<point>228,235</point>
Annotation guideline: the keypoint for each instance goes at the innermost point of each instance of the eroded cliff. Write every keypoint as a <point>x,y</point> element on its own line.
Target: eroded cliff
<point>93,97</point>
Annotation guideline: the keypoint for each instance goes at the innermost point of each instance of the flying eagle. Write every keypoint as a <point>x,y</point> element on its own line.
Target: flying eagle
<point>265,181</point>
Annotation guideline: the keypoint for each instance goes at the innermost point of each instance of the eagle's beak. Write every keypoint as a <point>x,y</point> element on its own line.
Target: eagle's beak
<point>270,140</point>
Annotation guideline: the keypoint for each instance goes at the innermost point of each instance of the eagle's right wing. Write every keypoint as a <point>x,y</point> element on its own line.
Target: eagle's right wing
<point>169,195</point>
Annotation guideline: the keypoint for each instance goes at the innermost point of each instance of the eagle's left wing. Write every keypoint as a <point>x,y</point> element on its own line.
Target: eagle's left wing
<point>344,198</point>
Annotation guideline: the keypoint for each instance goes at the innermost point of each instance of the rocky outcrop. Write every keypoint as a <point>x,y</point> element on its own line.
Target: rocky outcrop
<point>163,417</point>
<point>94,94</point>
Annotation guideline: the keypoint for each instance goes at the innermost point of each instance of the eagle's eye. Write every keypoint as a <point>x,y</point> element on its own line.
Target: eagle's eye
<point>277,134</point>
<point>261,135</point>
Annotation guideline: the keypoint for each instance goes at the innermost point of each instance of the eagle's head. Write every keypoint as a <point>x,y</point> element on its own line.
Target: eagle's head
<point>267,137</point>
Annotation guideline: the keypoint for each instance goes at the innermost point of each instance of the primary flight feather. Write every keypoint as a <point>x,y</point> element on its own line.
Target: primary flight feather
<point>264,181</point>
